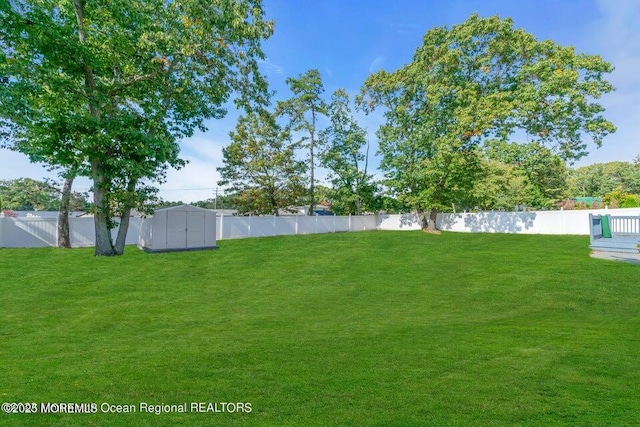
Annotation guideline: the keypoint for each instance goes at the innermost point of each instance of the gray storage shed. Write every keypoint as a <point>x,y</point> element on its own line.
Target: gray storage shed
<point>182,227</point>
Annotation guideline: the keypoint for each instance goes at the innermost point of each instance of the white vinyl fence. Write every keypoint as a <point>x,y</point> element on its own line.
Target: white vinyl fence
<point>536,222</point>
<point>41,232</point>
<point>237,227</point>
<point>33,232</point>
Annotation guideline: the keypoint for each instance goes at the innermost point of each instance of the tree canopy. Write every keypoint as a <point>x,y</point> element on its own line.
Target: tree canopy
<point>345,153</point>
<point>601,178</point>
<point>481,80</point>
<point>303,110</point>
<point>259,165</point>
<point>27,194</point>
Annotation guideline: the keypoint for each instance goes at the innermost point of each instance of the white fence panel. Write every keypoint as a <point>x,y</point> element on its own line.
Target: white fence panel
<point>287,225</point>
<point>242,227</point>
<point>340,224</point>
<point>307,224</point>
<point>263,226</point>
<point>364,223</point>
<point>82,231</point>
<point>536,222</point>
<point>407,221</point>
<point>325,224</point>
<point>28,232</point>
<point>43,232</point>
<point>135,224</point>
<point>232,227</point>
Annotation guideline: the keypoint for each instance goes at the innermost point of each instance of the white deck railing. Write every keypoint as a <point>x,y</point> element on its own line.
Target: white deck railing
<point>625,225</point>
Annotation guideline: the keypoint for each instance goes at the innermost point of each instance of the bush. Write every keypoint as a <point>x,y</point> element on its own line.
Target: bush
<point>615,199</point>
<point>567,204</point>
<point>632,201</point>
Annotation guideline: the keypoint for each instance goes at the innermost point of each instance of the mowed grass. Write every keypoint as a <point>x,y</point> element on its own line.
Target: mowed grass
<point>369,328</point>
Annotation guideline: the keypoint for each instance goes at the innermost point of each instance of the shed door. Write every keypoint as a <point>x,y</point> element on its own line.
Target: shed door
<point>176,229</point>
<point>195,229</point>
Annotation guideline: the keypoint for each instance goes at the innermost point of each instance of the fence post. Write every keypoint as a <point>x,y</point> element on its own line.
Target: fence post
<point>221,225</point>
<point>1,230</point>
<point>297,224</point>
<point>249,226</point>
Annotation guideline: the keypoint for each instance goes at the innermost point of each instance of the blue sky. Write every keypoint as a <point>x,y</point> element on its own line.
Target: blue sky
<point>346,40</point>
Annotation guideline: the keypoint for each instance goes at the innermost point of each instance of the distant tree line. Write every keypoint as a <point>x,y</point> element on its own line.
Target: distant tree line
<point>514,176</point>
<point>26,194</point>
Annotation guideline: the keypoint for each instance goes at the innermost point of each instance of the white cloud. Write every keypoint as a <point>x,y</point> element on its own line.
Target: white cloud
<point>328,72</point>
<point>376,63</point>
<point>198,179</point>
<point>616,37</point>
<point>271,68</point>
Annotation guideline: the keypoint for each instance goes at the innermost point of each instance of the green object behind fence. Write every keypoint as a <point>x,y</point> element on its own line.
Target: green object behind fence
<point>606,229</point>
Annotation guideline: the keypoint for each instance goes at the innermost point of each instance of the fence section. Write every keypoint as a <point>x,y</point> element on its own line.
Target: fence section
<point>237,227</point>
<point>537,222</point>
<point>40,232</point>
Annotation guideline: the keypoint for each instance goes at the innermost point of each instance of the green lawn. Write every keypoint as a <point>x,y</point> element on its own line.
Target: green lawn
<point>369,328</point>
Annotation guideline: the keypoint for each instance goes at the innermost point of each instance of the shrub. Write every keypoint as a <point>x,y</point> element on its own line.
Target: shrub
<point>567,204</point>
<point>632,201</point>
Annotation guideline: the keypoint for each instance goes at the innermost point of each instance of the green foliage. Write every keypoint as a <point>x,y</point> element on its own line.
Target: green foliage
<point>619,199</point>
<point>26,194</point>
<point>631,201</point>
<point>109,88</point>
<point>303,110</point>
<point>476,81</point>
<point>502,187</point>
<point>343,142</point>
<point>259,165</point>
<point>601,178</point>
<point>541,174</point>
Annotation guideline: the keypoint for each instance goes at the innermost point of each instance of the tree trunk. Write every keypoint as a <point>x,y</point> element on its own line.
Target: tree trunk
<point>274,204</point>
<point>121,239</point>
<point>102,216</point>
<point>122,231</point>
<point>312,143</point>
<point>428,225</point>
<point>64,239</point>
<point>313,188</point>
<point>422,218</point>
<point>431,226</point>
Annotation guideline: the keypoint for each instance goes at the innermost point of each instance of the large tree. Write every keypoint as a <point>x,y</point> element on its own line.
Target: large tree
<point>260,165</point>
<point>345,153</point>
<point>471,82</point>
<point>304,109</point>
<point>109,88</point>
